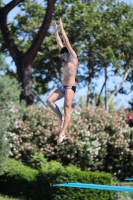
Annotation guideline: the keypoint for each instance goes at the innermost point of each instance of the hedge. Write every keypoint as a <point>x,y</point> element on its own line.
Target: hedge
<point>17,180</point>
<point>23,182</point>
<point>75,193</point>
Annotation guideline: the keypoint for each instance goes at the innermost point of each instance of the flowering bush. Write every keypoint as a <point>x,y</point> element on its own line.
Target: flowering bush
<point>129,117</point>
<point>97,140</point>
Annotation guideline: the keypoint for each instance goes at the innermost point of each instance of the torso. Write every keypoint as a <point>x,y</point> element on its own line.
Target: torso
<point>69,71</point>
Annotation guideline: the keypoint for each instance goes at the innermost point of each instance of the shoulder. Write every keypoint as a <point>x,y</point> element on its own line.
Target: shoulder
<point>74,56</point>
<point>74,59</point>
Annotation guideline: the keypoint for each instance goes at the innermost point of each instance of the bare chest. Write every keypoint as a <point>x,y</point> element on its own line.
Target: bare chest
<point>69,69</point>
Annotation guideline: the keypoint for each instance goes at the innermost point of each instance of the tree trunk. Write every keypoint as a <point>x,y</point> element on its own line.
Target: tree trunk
<point>88,94</point>
<point>99,96</point>
<point>120,86</point>
<point>24,61</point>
<point>25,78</point>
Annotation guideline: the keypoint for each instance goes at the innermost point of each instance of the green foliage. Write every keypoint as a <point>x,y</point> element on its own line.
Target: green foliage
<point>3,64</point>
<point>21,181</point>
<point>76,176</point>
<point>96,139</point>
<point>9,108</point>
<point>29,21</point>
<point>99,31</point>
<point>38,161</point>
<point>24,28</point>
<point>80,101</point>
<point>14,168</point>
<point>7,198</point>
<point>17,179</point>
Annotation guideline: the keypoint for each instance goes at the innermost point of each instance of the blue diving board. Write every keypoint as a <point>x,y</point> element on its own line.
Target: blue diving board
<point>96,186</point>
<point>129,179</point>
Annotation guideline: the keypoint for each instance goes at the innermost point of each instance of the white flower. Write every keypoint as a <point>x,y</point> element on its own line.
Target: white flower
<point>15,137</point>
<point>77,112</point>
<point>86,138</point>
<point>83,142</point>
<point>10,153</point>
<point>11,134</point>
<point>6,139</point>
<point>87,133</point>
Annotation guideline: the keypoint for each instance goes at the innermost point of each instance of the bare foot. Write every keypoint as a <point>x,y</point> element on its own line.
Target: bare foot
<point>60,138</point>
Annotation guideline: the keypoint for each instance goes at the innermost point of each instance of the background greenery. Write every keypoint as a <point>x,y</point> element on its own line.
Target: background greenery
<point>21,181</point>
<point>9,108</point>
<point>100,32</point>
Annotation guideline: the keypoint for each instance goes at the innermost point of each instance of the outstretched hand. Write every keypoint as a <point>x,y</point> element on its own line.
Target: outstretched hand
<point>61,23</point>
<point>54,26</point>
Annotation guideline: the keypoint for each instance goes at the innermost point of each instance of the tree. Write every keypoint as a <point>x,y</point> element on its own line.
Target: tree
<point>116,38</point>
<point>24,60</point>
<point>100,33</point>
<point>110,46</point>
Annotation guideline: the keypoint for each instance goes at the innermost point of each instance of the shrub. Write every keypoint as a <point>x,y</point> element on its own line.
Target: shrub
<point>10,110</point>
<point>98,140</point>
<point>129,117</point>
<point>33,133</point>
<point>17,180</point>
<point>21,181</point>
<point>70,175</point>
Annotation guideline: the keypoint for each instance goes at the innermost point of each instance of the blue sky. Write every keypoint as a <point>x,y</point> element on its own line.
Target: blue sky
<point>82,92</point>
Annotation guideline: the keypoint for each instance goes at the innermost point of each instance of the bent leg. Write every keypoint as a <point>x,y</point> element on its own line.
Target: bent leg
<point>56,95</point>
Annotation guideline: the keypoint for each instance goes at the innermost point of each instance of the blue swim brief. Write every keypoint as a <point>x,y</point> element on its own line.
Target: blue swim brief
<point>65,87</point>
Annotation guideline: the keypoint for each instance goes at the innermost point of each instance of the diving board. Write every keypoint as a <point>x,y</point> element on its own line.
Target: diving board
<point>129,179</point>
<point>96,186</point>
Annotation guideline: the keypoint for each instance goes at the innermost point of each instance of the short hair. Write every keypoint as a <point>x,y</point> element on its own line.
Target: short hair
<point>63,50</point>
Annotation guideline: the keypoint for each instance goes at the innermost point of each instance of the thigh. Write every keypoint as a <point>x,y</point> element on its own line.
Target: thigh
<point>68,98</point>
<point>56,95</point>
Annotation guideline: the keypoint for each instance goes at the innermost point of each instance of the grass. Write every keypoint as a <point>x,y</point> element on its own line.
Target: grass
<point>124,195</point>
<point>7,198</point>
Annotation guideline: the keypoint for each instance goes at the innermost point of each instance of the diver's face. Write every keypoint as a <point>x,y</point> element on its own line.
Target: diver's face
<point>65,56</point>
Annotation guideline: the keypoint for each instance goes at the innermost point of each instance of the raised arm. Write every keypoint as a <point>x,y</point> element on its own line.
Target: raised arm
<point>58,39</point>
<point>66,40</point>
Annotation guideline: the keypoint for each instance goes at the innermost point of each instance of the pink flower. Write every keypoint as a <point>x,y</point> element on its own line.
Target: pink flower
<point>121,135</point>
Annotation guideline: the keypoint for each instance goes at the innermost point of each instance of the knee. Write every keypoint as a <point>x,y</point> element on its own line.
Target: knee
<point>48,102</point>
